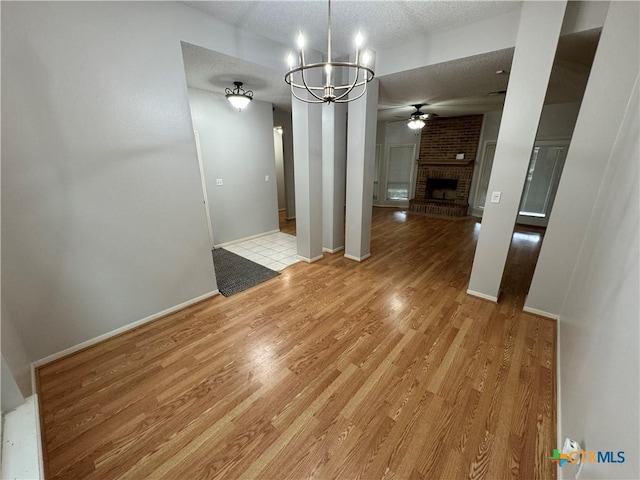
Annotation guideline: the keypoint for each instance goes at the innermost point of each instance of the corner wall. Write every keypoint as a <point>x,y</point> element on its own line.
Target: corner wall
<point>102,216</point>
<point>588,269</point>
<point>599,327</point>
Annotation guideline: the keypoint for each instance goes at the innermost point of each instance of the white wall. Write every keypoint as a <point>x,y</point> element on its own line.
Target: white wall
<point>102,216</point>
<point>11,396</point>
<point>15,354</point>
<point>393,133</point>
<point>587,271</point>
<point>238,148</point>
<point>599,325</point>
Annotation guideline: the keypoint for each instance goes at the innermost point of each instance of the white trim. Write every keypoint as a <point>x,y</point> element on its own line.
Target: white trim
<point>36,408</point>
<point>203,181</point>
<point>484,296</point>
<point>542,313</point>
<point>34,384</point>
<point>282,210</point>
<point>310,260</point>
<point>334,250</point>
<point>357,259</point>
<point>290,218</point>
<point>117,331</point>
<point>250,237</point>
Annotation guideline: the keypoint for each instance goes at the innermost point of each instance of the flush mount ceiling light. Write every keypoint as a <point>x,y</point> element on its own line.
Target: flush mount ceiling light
<point>359,71</point>
<point>417,118</point>
<point>238,97</point>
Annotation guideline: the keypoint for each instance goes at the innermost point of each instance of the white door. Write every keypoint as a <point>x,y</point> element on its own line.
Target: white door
<point>400,172</point>
<point>545,168</point>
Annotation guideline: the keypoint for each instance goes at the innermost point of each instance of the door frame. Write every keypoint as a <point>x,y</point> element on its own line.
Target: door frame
<point>543,221</point>
<point>203,183</point>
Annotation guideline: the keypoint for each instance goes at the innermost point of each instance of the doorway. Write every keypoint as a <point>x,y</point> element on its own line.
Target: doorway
<point>541,185</point>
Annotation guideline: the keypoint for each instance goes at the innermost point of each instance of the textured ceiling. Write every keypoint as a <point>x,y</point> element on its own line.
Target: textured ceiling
<point>453,88</point>
<point>213,71</point>
<point>383,23</point>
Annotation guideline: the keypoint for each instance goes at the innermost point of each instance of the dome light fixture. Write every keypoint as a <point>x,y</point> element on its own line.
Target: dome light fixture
<point>359,71</point>
<point>238,97</point>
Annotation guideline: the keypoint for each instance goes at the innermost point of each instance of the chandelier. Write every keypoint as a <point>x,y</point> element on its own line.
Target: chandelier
<point>329,92</point>
<point>238,97</point>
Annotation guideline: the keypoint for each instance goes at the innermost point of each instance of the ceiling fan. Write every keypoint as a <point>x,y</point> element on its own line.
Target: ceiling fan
<point>417,118</point>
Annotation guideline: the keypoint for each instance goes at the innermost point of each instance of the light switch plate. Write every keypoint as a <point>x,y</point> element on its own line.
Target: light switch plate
<point>495,197</point>
<point>266,178</point>
<point>219,182</point>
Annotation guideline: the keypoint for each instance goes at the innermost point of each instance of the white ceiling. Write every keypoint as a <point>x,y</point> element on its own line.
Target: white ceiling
<point>383,23</point>
<point>214,71</point>
<point>459,87</point>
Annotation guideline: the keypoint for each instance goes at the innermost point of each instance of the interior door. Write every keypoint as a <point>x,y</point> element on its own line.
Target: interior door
<point>545,168</point>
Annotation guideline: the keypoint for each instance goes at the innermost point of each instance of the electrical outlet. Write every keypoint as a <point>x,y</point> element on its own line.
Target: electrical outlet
<point>495,197</point>
<point>570,446</point>
<point>219,182</point>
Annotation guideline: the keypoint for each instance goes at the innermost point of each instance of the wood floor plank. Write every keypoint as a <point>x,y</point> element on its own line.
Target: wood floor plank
<point>384,369</point>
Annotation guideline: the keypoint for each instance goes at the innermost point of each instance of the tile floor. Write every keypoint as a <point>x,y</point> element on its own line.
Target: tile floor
<point>275,251</point>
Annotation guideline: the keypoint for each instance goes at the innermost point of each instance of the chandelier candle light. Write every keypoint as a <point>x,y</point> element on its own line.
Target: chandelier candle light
<point>329,93</point>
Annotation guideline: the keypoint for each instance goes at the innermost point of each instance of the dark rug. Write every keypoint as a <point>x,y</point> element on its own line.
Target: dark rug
<point>235,273</point>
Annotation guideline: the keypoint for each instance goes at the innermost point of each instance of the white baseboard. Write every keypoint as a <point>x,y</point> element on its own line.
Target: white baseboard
<point>36,400</point>
<point>334,250</point>
<point>357,259</point>
<point>484,296</point>
<point>250,237</point>
<point>542,313</point>
<point>117,331</point>
<point>310,260</point>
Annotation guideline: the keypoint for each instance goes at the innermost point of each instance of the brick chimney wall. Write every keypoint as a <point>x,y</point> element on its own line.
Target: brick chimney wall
<point>443,138</point>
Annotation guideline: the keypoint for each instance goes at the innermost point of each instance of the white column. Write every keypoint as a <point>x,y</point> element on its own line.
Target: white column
<point>361,151</point>
<point>538,33</point>
<point>307,154</point>
<point>334,155</point>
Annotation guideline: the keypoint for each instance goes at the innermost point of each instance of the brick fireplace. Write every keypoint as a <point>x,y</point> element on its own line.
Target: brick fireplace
<point>444,182</point>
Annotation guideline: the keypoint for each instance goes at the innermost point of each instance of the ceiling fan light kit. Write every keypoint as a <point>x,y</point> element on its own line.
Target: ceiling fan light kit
<point>417,118</point>
<point>238,96</point>
<point>360,72</point>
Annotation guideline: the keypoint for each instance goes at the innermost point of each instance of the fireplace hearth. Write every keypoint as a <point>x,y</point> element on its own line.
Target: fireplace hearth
<point>443,189</point>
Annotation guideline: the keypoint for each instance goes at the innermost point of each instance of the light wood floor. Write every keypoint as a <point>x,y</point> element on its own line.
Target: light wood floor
<point>379,370</point>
